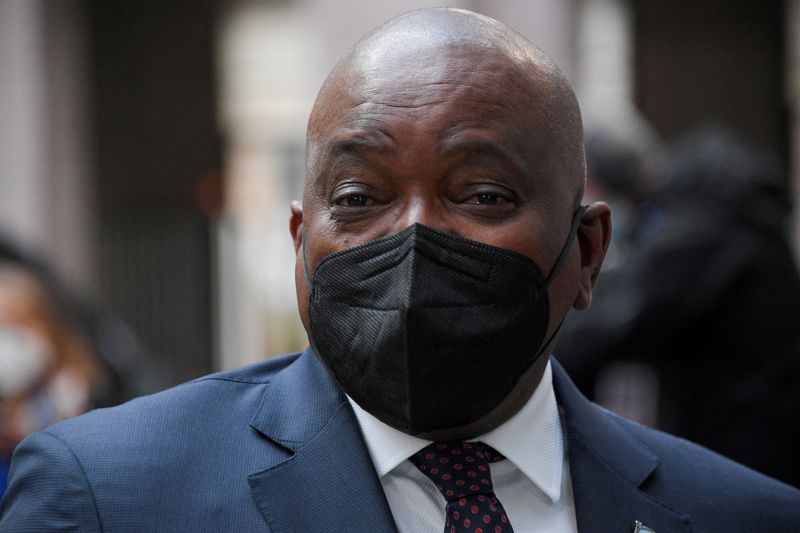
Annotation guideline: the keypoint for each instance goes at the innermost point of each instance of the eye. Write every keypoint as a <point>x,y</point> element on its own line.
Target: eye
<point>487,198</point>
<point>354,200</point>
<point>494,197</point>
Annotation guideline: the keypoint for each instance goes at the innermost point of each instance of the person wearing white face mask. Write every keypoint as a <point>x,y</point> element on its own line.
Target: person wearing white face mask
<point>24,358</point>
<point>47,370</point>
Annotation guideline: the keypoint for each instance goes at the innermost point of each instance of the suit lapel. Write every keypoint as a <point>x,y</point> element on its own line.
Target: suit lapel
<point>327,481</point>
<point>609,467</point>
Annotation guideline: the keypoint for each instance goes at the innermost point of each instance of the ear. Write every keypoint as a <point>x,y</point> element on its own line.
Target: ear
<point>296,225</point>
<point>594,235</point>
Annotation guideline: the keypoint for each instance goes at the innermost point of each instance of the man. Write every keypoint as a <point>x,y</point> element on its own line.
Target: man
<point>440,243</point>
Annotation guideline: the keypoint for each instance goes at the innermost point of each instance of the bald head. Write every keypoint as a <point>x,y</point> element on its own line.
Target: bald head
<point>429,55</point>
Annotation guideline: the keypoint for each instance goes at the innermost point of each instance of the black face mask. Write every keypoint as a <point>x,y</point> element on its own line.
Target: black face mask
<point>429,331</point>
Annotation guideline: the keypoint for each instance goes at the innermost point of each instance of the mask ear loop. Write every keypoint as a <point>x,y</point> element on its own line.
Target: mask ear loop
<point>573,231</point>
<point>309,283</point>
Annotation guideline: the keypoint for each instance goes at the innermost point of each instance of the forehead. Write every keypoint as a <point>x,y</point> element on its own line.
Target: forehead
<point>463,94</point>
<point>410,79</point>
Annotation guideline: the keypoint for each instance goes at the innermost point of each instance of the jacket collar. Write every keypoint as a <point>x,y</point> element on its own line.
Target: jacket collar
<point>326,481</point>
<point>609,467</point>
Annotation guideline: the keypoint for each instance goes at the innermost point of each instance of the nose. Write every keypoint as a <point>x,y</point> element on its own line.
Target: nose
<point>428,212</point>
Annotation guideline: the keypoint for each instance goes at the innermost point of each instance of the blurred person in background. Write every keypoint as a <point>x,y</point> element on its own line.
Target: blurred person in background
<point>73,358</point>
<point>47,369</point>
<point>129,367</point>
<point>621,146</point>
<point>697,333</point>
<point>620,151</point>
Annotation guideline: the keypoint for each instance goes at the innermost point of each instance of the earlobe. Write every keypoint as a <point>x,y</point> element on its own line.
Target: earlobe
<point>594,236</point>
<point>296,225</point>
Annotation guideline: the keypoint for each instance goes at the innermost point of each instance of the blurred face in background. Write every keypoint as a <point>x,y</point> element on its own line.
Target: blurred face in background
<point>46,367</point>
<point>27,334</point>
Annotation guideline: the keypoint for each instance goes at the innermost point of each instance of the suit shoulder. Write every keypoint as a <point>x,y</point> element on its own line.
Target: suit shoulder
<point>209,403</point>
<point>141,457</point>
<point>256,373</point>
<point>693,475</point>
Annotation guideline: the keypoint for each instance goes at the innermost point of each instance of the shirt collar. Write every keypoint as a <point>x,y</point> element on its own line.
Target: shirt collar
<point>532,440</point>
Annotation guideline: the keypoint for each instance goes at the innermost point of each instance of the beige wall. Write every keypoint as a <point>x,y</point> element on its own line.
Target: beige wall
<point>44,173</point>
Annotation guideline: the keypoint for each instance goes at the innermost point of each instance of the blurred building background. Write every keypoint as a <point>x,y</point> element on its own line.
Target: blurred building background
<point>149,150</point>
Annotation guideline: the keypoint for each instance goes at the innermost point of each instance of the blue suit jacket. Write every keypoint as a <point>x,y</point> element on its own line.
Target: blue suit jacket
<point>276,447</point>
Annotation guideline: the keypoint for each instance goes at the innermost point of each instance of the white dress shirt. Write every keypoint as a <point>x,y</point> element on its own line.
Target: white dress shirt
<point>533,484</point>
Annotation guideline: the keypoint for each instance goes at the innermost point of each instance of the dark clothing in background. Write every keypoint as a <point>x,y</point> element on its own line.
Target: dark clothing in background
<point>710,300</point>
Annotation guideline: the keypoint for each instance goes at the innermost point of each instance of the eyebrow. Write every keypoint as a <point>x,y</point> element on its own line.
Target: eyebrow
<point>488,148</point>
<point>359,144</point>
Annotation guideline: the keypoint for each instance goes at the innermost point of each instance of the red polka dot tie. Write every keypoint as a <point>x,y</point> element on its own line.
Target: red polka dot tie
<point>460,471</point>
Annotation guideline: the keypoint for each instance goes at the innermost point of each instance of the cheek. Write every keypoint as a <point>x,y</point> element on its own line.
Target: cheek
<point>324,236</point>
<point>521,235</point>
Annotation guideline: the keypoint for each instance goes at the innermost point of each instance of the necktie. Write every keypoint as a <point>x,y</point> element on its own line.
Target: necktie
<point>460,471</point>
